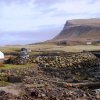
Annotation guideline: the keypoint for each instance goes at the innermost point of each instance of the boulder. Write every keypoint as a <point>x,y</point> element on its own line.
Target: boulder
<point>2,92</point>
<point>14,79</point>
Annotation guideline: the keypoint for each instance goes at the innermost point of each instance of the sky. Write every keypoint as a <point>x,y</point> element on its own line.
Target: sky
<point>30,21</point>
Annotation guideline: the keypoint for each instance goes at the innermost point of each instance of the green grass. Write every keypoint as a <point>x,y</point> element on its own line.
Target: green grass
<point>11,66</point>
<point>3,83</point>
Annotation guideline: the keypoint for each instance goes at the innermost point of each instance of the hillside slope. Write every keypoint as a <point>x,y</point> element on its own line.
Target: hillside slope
<point>81,30</point>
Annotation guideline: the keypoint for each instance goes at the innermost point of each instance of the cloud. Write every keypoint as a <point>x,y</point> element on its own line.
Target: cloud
<point>39,15</point>
<point>18,16</point>
<point>29,14</point>
<point>47,2</point>
<point>77,7</point>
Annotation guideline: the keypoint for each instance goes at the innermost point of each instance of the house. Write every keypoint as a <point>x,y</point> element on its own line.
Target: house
<point>1,58</point>
<point>89,43</point>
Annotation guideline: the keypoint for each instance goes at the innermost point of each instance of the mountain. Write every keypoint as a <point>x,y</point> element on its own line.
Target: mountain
<point>80,31</point>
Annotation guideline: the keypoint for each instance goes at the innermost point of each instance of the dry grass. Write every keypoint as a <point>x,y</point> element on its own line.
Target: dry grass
<point>51,47</point>
<point>1,65</point>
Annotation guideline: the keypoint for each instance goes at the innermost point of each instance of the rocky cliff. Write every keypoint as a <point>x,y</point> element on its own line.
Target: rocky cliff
<point>80,30</point>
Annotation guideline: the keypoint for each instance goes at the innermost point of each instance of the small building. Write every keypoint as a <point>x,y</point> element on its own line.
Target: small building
<point>1,55</point>
<point>89,43</point>
<point>1,58</point>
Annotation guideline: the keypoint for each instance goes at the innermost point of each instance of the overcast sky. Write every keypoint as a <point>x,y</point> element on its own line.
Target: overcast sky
<point>28,21</point>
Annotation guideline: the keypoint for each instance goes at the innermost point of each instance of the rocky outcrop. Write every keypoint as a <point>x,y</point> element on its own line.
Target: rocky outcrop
<point>72,68</point>
<point>67,60</point>
<point>80,31</point>
<point>41,87</point>
<point>52,82</point>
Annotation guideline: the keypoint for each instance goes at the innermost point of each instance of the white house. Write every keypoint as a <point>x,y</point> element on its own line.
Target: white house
<point>1,56</point>
<point>88,43</point>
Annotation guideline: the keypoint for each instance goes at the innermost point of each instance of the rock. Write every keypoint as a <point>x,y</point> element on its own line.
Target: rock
<point>34,94</point>
<point>14,79</point>
<point>2,92</point>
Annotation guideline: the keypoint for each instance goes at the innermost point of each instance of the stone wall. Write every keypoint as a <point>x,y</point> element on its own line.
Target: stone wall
<point>67,60</point>
<point>72,68</point>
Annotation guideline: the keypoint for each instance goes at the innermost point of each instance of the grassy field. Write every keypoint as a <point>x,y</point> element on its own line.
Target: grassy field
<point>51,47</point>
<point>12,66</point>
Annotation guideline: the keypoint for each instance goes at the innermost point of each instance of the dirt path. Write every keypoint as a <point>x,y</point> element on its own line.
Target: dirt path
<point>13,89</point>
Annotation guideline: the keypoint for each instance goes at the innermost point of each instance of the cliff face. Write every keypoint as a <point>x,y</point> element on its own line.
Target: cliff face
<point>80,30</point>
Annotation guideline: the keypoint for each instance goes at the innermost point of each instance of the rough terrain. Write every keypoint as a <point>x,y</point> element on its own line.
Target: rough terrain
<point>53,76</point>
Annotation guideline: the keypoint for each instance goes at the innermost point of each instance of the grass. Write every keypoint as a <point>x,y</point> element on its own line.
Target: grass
<point>3,83</point>
<point>50,47</point>
<point>76,48</point>
<point>8,49</point>
<point>11,66</point>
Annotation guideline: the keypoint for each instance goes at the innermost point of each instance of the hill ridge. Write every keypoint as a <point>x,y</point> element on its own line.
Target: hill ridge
<point>80,30</point>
